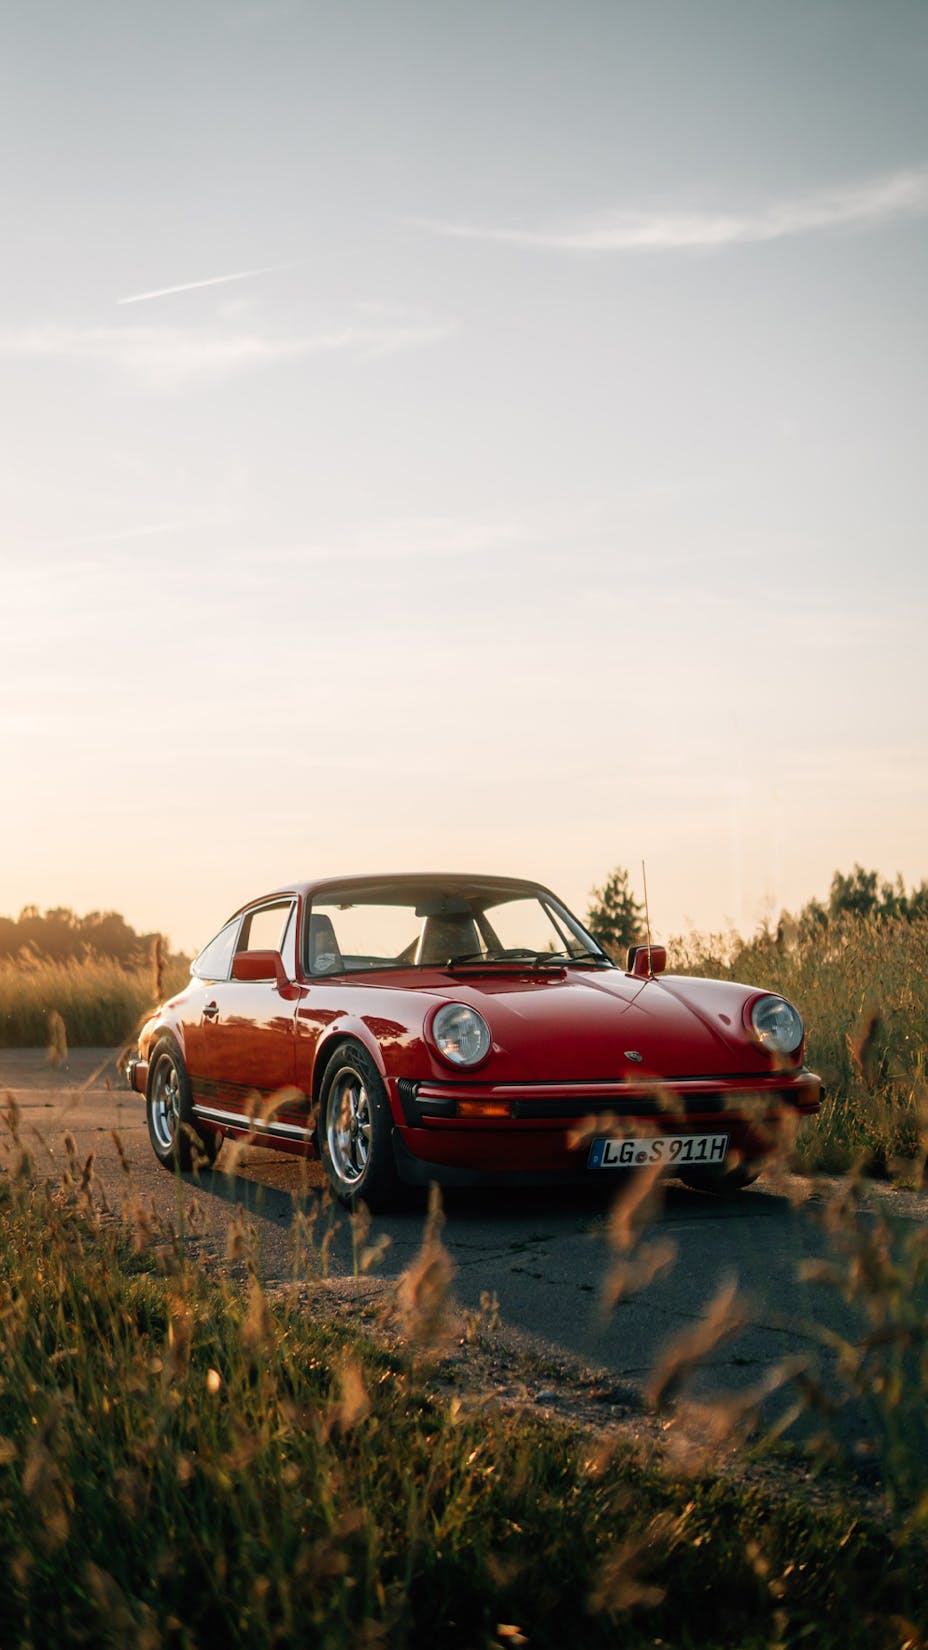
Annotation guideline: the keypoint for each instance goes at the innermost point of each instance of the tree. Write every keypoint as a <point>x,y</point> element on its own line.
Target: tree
<point>854,895</point>
<point>861,894</point>
<point>62,935</point>
<point>614,917</point>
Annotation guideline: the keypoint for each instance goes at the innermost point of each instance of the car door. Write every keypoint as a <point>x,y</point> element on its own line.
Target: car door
<point>248,1025</point>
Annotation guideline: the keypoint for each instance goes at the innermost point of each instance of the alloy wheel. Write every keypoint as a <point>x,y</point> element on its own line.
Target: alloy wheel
<point>348,1126</point>
<point>165,1103</point>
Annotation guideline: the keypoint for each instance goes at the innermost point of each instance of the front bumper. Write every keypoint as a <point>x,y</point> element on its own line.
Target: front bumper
<point>462,1134</point>
<point>136,1070</point>
<point>432,1104</point>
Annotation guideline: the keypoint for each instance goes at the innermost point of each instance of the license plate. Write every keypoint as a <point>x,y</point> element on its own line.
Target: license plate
<point>622,1153</point>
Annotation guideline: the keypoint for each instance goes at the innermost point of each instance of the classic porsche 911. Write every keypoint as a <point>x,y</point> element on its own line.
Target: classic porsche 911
<point>465,1030</point>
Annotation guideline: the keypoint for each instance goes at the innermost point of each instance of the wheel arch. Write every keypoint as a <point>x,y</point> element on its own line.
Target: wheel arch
<point>337,1038</point>
<point>164,1034</point>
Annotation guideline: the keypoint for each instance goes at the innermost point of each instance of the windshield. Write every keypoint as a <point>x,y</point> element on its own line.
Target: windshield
<point>351,930</point>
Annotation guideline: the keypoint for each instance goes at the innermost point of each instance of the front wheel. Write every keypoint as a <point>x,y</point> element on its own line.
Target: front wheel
<point>354,1131</point>
<point>177,1141</point>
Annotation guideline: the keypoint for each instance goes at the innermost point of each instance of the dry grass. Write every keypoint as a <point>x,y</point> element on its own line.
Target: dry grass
<point>185,1461</point>
<point>862,988</point>
<point>92,1002</point>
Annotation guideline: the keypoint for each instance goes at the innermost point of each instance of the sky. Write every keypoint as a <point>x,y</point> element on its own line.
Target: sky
<point>476,436</point>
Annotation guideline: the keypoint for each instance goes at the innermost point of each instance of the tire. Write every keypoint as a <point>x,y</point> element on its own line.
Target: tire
<point>355,1128</point>
<point>723,1182</point>
<point>177,1139</point>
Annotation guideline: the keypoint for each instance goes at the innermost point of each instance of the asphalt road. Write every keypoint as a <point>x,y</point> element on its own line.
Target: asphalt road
<point>544,1255</point>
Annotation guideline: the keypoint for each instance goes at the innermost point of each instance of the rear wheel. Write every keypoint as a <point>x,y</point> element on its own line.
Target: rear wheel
<point>355,1127</point>
<point>177,1140</point>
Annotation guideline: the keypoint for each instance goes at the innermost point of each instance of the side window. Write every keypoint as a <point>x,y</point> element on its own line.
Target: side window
<point>215,960</point>
<point>263,930</point>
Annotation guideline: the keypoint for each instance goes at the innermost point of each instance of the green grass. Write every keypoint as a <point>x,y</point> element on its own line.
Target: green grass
<point>184,1462</point>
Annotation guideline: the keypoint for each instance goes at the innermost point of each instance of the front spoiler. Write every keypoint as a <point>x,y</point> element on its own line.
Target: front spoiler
<point>417,1171</point>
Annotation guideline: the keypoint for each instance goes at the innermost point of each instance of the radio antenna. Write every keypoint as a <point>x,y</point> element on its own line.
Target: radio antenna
<point>647,915</point>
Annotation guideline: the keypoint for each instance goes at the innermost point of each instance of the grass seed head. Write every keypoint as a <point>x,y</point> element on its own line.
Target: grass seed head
<point>258,1332</point>
<point>635,1206</point>
<point>57,1039</point>
<point>289,1095</point>
<point>157,960</point>
<point>628,1275</point>
<point>423,1295</point>
<point>865,1045</point>
<point>179,1338</point>
<point>353,1401</point>
<point>725,1316</point>
<point>620,1585</point>
<point>44,1485</point>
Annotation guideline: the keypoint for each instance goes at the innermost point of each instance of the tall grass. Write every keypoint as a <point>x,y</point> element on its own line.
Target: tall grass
<point>98,1001</point>
<point>862,988</point>
<point>861,984</point>
<point>186,1462</point>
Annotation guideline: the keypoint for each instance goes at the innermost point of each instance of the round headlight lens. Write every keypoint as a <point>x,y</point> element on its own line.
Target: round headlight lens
<point>776,1024</point>
<point>461,1034</point>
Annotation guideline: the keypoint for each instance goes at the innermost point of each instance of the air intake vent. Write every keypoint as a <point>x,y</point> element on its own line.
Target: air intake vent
<point>407,1091</point>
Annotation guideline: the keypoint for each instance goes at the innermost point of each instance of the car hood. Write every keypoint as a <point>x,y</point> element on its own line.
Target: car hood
<point>588,1027</point>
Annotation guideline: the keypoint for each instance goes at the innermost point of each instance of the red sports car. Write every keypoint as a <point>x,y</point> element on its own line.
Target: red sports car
<point>467,1030</point>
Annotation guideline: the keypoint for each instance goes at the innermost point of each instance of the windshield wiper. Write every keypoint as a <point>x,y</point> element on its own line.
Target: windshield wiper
<point>526,959</point>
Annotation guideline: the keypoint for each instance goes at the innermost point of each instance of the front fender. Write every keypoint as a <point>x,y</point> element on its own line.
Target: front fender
<point>349,1028</point>
<point>154,1030</point>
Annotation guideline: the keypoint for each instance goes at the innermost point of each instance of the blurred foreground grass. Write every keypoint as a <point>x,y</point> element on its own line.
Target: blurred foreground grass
<point>185,1462</point>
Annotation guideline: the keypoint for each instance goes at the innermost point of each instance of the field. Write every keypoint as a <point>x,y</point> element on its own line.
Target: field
<point>862,986</point>
<point>188,1458</point>
<point>89,1002</point>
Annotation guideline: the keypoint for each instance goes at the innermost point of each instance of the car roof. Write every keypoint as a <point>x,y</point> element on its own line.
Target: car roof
<point>452,882</point>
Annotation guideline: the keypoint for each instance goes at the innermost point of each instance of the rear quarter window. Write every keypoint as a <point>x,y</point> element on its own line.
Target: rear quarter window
<point>214,962</point>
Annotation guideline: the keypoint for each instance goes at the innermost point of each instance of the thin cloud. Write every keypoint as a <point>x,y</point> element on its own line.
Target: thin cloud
<point>195,286</point>
<point>862,205</point>
<point>169,358</point>
<point>117,537</point>
<point>425,537</point>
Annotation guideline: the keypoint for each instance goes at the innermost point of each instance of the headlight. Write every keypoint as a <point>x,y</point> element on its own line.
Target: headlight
<point>776,1024</point>
<point>460,1034</point>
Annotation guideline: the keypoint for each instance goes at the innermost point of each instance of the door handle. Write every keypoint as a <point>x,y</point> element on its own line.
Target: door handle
<point>211,1011</point>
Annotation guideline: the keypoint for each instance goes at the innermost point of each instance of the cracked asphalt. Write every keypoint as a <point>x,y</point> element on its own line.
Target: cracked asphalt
<point>544,1255</point>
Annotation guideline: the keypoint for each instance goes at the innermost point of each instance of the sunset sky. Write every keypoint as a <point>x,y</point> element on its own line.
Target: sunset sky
<point>485,435</point>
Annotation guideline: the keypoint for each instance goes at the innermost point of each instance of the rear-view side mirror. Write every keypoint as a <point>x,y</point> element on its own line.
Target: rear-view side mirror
<point>645,960</point>
<point>259,965</point>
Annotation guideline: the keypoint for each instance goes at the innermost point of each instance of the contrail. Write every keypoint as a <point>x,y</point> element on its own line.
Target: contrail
<point>861,205</point>
<point>192,286</point>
